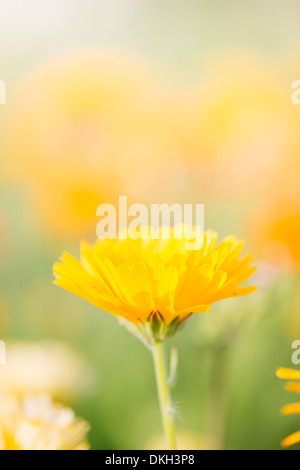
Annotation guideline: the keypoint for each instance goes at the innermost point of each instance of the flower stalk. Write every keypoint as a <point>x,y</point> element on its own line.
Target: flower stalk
<point>166,407</point>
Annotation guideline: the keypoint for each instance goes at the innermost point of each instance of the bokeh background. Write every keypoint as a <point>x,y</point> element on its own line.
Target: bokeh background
<point>185,101</point>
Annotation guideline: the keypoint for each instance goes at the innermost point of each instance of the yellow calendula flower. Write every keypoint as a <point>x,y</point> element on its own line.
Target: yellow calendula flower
<point>38,424</point>
<point>156,284</point>
<point>291,375</point>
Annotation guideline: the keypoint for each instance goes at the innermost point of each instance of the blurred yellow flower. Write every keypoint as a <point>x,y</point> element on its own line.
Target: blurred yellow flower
<point>294,408</point>
<point>238,129</point>
<point>86,128</point>
<point>275,231</point>
<point>47,367</point>
<point>39,424</point>
<point>157,282</point>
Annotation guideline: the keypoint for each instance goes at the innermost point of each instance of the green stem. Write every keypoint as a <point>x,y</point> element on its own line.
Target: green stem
<point>166,409</point>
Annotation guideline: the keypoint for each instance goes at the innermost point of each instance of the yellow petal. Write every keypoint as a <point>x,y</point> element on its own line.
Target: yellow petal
<point>292,409</point>
<point>288,374</point>
<point>244,291</point>
<point>291,440</point>
<point>293,387</point>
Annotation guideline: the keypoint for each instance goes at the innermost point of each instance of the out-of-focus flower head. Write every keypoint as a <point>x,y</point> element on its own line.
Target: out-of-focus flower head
<point>48,367</point>
<point>86,128</point>
<point>156,284</point>
<point>275,230</point>
<point>240,126</point>
<point>39,424</point>
<point>293,376</point>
